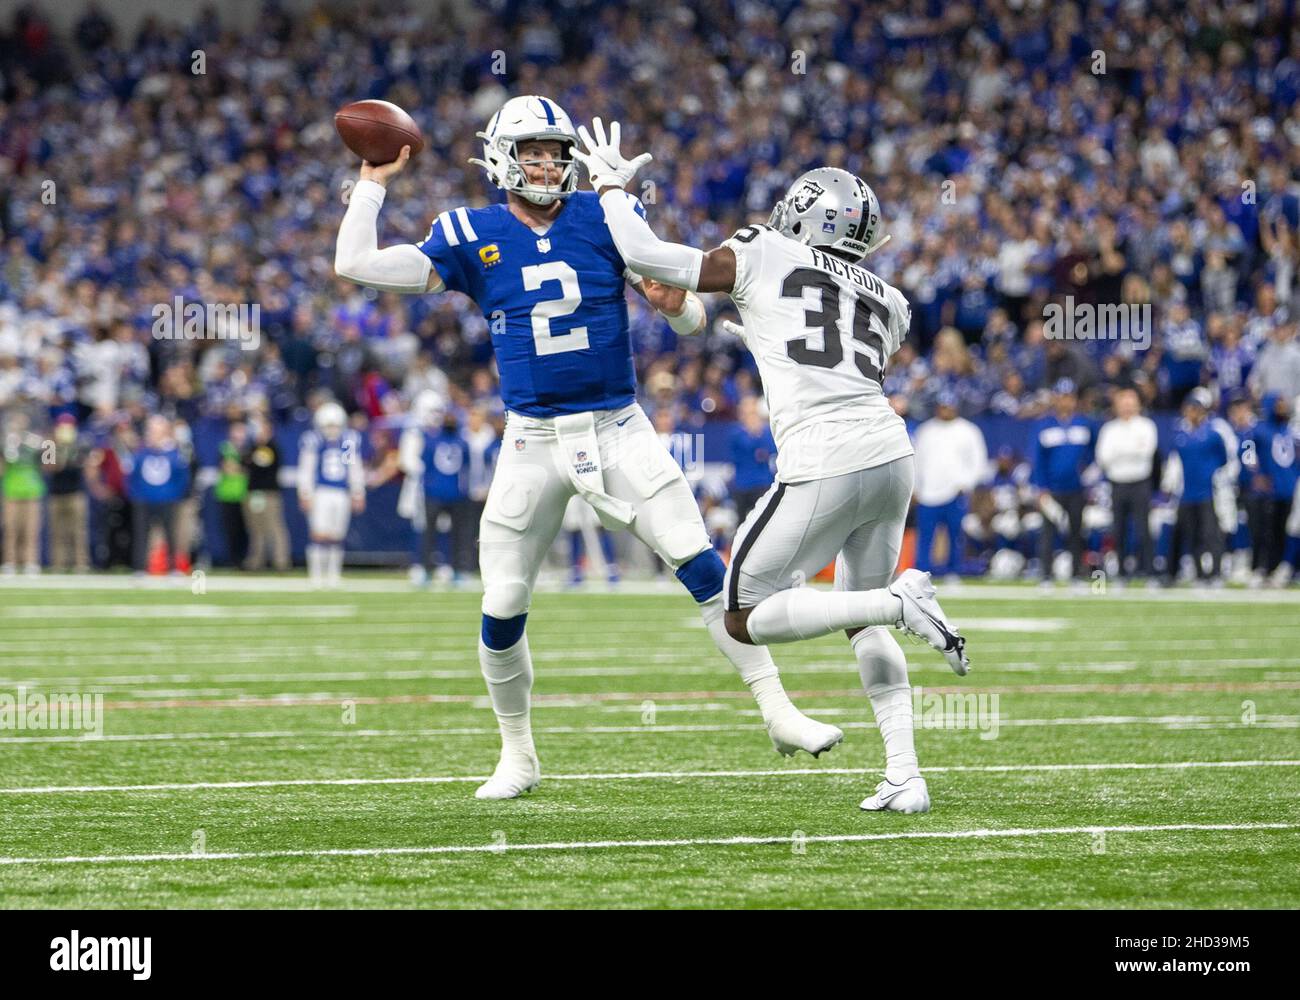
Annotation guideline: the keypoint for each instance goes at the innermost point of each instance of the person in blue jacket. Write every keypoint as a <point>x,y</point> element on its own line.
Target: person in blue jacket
<point>753,454</point>
<point>446,491</point>
<point>1062,449</point>
<point>1277,461</point>
<point>1201,452</point>
<point>157,483</point>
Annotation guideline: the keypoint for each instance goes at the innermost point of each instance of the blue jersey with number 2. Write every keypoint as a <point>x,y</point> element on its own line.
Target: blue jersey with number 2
<point>553,302</point>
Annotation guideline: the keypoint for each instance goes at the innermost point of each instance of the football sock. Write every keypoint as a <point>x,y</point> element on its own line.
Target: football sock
<point>805,613</point>
<point>607,548</point>
<point>883,669</point>
<point>753,663</point>
<point>509,676</point>
<point>333,564</point>
<point>315,559</point>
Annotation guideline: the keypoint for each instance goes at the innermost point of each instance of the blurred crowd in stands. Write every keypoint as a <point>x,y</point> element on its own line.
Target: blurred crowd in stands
<point>1118,153</point>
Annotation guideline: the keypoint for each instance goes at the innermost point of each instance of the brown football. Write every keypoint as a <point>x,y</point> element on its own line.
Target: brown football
<point>377,130</point>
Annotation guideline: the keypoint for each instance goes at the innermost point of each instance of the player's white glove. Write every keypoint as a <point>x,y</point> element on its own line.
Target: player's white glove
<point>606,166</point>
<point>733,328</point>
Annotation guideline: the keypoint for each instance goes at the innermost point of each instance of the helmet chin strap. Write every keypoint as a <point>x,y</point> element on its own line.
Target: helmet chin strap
<point>877,244</point>
<point>540,197</point>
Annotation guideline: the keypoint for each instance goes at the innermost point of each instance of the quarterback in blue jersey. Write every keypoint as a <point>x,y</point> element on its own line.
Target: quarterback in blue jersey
<point>545,271</point>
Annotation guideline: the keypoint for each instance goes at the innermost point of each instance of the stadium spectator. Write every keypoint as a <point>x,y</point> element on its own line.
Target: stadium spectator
<point>446,461</point>
<point>1200,452</point>
<point>1126,455</point>
<point>753,455</point>
<point>1277,369</point>
<point>68,509</point>
<point>22,486</point>
<point>264,505</point>
<point>1277,441</point>
<point>1063,449</point>
<point>106,479</point>
<point>1252,488</point>
<point>189,532</point>
<point>1183,356</point>
<point>159,479</point>
<point>230,492</point>
<point>951,460</point>
<point>484,442</point>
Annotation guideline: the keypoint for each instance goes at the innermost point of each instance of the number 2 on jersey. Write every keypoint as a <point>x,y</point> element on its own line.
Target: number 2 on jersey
<point>826,319</point>
<point>536,275</point>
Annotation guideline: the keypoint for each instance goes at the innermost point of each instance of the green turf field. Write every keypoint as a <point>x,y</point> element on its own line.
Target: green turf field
<point>272,748</point>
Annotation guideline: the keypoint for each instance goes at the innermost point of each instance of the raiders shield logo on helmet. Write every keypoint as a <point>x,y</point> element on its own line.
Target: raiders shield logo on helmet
<point>806,195</point>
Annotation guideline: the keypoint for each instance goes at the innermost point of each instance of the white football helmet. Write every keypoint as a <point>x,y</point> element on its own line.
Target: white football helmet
<point>830,208</point>
<point>521,118</point>
<point>427,408</point>
<point>330,419</point>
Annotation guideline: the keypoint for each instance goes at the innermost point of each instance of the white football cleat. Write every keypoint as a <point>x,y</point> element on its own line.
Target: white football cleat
<point>516,773</point>
<point>921,616</point>
<point>910,797</point>
<point>791,732</point>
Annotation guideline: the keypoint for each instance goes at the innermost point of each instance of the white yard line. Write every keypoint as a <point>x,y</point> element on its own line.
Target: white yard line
<point>324,736</point>
<point>641,776</point>
<point>651,665</point>
<point>196,610</point>
<point>596,845</point>
<point>396,584</point>
<point>155,700</point>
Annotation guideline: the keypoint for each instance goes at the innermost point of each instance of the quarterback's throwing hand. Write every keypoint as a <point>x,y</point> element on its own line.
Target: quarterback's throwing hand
<point>605,165</point>
<point>382,173</point>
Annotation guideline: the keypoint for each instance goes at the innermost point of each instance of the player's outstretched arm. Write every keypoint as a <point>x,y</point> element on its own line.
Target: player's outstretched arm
<point>357,257</point>
<point>683,309</point>
<point>643,251</point>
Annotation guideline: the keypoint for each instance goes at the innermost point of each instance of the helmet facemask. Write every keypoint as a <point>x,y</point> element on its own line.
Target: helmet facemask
<point>543,194</point>
<point>507,170</point>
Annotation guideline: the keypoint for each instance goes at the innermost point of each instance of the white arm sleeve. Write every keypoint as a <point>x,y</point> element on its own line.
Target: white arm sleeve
<point>410,449</point>
<point>402,268</point>
<point>642,250</point>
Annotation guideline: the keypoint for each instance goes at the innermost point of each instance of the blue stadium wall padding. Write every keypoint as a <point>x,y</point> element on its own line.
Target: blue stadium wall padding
<point>380,530</point>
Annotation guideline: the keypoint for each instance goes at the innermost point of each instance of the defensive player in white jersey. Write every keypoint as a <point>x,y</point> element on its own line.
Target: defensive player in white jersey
<point>544,266</point>
<point>822,329</point>
<point>331,488</point>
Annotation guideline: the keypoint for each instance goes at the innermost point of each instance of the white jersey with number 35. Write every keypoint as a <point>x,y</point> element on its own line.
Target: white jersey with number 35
<point>822,331</point>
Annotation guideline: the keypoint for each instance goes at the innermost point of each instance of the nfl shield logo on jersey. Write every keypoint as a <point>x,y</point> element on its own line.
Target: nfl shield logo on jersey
<point>543,245</point>
<point>519,444</point>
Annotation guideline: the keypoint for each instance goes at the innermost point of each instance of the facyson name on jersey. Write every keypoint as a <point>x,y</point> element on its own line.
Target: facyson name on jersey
<point>843,269</point>
<point>102,954</point>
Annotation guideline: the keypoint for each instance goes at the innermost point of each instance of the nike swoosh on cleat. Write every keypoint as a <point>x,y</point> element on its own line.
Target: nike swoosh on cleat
<point>950,638</point>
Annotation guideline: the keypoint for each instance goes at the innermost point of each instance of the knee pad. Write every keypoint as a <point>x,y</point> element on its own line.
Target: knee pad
<point>702,575</point>
<point>881,661</point>
<point>506,598</point>
<point>683,542</point>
